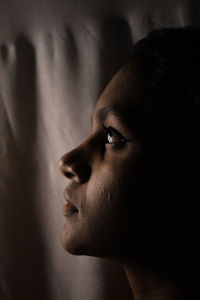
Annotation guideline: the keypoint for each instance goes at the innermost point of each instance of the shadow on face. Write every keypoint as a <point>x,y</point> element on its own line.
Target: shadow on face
<point>121,197</point>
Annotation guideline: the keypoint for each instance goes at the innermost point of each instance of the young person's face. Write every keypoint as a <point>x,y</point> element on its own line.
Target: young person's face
<point>114,178</point>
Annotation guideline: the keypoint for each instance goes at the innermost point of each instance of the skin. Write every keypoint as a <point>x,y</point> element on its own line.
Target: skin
<point>117,187</point>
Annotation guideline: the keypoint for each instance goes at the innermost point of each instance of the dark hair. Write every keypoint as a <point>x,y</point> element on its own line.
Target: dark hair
<point>170,63</point>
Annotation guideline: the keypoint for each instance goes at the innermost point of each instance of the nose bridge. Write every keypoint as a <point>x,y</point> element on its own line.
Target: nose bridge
<point>78,154</point>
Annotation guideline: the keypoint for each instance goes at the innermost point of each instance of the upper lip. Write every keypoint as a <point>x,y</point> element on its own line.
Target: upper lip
<point>68,198</point>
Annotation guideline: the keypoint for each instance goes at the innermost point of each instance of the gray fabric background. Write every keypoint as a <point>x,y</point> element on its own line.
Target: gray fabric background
<point>55,59</point>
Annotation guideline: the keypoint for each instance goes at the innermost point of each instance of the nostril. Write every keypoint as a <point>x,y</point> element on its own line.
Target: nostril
<point>65,169</point>
<point>75,167</point>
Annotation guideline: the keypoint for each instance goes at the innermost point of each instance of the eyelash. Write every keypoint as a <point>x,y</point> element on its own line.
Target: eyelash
<point>113,132</point>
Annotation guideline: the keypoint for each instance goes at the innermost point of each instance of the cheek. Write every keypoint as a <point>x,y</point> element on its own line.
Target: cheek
<point>98,195</point>
<point>111,212</point>
<point>109,192</point>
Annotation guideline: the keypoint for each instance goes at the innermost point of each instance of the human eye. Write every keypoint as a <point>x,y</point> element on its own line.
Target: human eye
<point>113,136</point>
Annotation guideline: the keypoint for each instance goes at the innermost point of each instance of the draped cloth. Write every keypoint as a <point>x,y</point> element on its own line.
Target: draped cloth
<point>55,59</point>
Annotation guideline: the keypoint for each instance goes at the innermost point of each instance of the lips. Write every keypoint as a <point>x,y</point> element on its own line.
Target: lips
<point>69,208</point>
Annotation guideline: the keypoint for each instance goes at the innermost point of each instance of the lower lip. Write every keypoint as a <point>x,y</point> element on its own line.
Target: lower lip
<point>69,210</point>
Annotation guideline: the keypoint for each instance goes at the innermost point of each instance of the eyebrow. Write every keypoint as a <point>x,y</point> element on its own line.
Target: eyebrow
<point>128,117</point>
<point>103,113</point>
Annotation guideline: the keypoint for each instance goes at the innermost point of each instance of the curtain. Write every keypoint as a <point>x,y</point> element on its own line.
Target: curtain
<point>55,59</point>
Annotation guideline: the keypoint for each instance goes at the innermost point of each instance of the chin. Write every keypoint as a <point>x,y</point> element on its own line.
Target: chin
<point>75,246</point>
<point>71,243</point>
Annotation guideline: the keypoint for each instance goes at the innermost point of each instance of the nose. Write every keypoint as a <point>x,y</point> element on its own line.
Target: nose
<point>76,165</point>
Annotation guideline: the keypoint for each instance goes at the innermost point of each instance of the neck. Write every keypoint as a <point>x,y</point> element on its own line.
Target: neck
<point>149,285</point>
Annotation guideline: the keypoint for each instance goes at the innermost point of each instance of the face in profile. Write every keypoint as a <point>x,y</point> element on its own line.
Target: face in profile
<point>114,192</point>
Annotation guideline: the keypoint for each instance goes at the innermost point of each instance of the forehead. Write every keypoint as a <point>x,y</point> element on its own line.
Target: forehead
<point>124,90</point>
<point>135,104</point>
